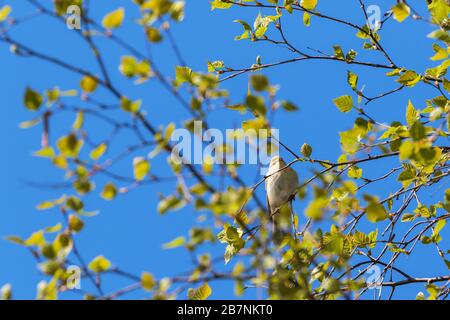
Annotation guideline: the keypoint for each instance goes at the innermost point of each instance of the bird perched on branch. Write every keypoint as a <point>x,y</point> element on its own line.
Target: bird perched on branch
<point>281,186</point>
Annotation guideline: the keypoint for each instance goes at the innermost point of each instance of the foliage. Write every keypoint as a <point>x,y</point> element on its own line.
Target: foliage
<point>322,260</point>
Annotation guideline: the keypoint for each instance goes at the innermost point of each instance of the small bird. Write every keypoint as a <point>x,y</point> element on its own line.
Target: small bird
<point>281,185</point>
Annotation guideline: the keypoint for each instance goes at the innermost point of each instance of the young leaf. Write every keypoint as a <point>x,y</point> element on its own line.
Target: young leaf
<point>109,191</point>
<point>401,11</point>
<point>147,281</point>
<point>344,103</point>
<point>88,84</point>
<point>32,99</point>
<point>4,12</point>
<point>201,293</point>
<point>100,264</point>
<point>114,19</point>
<point>141,168</point>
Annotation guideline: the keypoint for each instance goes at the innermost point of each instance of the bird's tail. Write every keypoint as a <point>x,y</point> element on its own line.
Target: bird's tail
<point>283,221</point>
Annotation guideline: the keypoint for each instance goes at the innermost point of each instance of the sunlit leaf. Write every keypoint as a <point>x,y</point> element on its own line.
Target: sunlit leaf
<point>114,19</point>
<point>100,264</point>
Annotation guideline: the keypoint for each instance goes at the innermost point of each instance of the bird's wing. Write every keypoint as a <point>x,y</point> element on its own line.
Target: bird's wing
<point>268,206</point>
<point>295,181</point>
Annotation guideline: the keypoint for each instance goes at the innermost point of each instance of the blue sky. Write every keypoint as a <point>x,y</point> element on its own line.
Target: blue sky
<point>129,231</point>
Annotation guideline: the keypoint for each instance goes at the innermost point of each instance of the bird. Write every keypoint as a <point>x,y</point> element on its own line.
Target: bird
<point>281,186</point>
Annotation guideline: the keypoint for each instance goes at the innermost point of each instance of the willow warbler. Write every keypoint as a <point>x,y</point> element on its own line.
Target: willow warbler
<point>281,185</point>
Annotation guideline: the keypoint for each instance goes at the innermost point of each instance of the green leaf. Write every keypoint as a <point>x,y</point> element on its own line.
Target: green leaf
<point>219,4</point>
<point>308,4</point>
<point>306,150</point>
<point>375,212</point>
<point>261,24</point>
<point>316,208</point>
<point>355,172</point>
<point>141,168</point>
<point>423,211</point>
<point>238,107</point>
<point>351,55</point>
<point>46,152</point>
<point>306,19</point>
<point>183,74</point>
<point>70,146</point>
<point>15,239</point>
<point>175,243</point>
<point>437,229</point>
<point>420,296</point>
<point>130,106</point>
<point>439,10</point>
<point>154,35</point>
<point>61,6</point>
<point>407,177</point>
<point>45,205</point>
<point>417,131</point>
<point>83,186</point>
<point>440,35</point>
<point>147,281</point>
<point>407,217</point>
<point>333,242</point>
<point>350,140</point>
<point>98,152</point>
<point>75,223</point>
<point>75,204</point>
<point>412,115</point>
<point>53,229</point>
<point>401,11</point>
<point>395,72</point>
<point>170,203</point>
<point>100,264</point>
<point>4,12</point>
<point>199,189</point>
<point>288,106</point>
<point>338,53</point>
<point>88,84</point>
<point>238,269</point>
<point>406,150</point>
<point>215,66</point>
<point>352,79</point>
<point>344,103</point>
<point>259,82</point>
<point>109,191</point>
<point>114,19</point>
<point>288,5</point>
<point>247,30</point>
<point>373,238</point>
<point>29,124</point>
<point>32,99</point>
<point>448,122</point>
<point>229,234</point>
<point>440,53</point>
<point>256,105</point>
<point>128,66</point>
<point>233,237</point>
<point>425,240</point>
<point>364,33</point>
<point>79,121</point>
<point>202,293</point>
<point>255,124</point>
<point>5,290</point>
<point>409,78</point>
<point>36,239</point>
<point>394,248</point>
